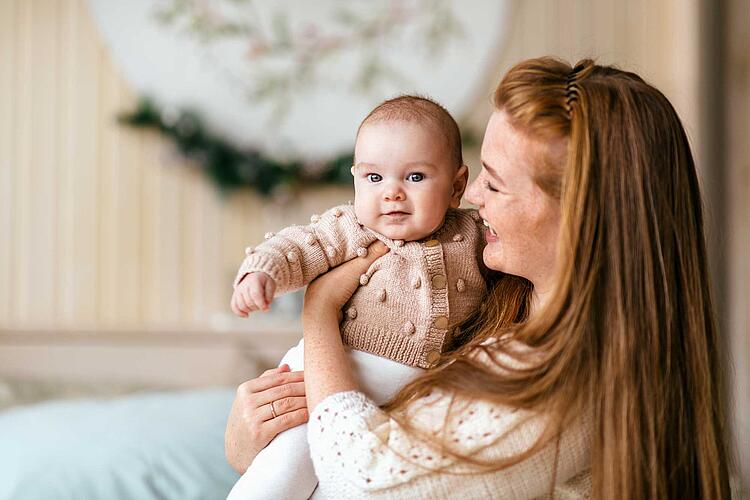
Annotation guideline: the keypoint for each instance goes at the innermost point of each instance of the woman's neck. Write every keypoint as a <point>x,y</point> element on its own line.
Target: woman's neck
<point>539,298</point>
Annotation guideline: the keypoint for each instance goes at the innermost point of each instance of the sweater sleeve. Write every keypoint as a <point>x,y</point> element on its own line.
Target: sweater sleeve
<point>360,450</point>
<point>299,254</point>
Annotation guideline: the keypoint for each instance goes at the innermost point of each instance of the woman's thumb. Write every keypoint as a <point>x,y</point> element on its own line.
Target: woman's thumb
<point>360,265</point>
<point>377,249</point>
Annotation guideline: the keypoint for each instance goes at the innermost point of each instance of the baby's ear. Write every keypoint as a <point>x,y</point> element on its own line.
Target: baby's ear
<point>460,180</point>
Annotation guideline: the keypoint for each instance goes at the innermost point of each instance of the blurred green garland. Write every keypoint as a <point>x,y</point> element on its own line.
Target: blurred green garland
<point>231,167</point>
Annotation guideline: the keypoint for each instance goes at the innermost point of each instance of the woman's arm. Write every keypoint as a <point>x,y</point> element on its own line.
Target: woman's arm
<point>327,366</point>
<point>361,451</point>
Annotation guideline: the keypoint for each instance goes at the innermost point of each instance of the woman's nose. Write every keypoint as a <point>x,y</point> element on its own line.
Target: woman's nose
<point>473,193</point>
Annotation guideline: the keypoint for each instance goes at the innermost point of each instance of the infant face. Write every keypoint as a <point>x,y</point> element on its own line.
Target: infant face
<point>403,179</point>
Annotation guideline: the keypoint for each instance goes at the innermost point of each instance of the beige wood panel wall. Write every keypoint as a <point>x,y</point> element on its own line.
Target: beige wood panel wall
<point>102,228</point>
<point>737,96</point>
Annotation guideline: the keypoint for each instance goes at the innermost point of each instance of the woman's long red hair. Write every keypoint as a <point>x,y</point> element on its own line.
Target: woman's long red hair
<point>629,335</point>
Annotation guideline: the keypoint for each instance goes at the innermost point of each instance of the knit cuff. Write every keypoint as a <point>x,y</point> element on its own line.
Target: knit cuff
<point>264,263</point>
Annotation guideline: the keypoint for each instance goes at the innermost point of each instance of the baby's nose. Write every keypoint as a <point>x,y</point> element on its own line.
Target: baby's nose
<point>394,193</point>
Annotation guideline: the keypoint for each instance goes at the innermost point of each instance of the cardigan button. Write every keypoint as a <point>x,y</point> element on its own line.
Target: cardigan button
<point>351,313</point>
<point>249,251</point>
<point>431,243</point>
<point>433,357</point>
<point>438,281</point>
<point>409,328</point>
<point>441,322</point>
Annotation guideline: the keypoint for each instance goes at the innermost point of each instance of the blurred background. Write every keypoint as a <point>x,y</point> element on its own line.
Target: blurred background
<point>145,144</point>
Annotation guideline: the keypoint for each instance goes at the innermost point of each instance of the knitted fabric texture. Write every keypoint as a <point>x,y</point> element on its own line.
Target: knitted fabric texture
<point>360,451</point>
<point>409,302</point>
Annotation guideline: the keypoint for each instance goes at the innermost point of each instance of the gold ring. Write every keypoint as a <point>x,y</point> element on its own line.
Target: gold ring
<point>273,412</point>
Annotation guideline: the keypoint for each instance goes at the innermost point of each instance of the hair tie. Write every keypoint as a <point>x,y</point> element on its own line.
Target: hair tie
<point>571,89</point>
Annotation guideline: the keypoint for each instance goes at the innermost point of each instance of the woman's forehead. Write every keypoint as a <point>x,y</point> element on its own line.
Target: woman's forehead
<point>504,148</point>
<point>509,151</point>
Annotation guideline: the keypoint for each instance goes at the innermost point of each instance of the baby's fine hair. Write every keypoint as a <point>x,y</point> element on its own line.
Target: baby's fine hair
<point>414,108</point>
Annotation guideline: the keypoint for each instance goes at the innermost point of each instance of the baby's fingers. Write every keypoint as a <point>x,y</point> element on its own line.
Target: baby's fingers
<point>238,305</point>
<point>248,302</point>
<point>270,287</point>
<point>257,296</point>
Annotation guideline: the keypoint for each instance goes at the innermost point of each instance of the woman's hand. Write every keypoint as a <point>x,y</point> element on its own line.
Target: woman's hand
<point>263,407</point>
<point>326,362</point>
<point>330,291</point>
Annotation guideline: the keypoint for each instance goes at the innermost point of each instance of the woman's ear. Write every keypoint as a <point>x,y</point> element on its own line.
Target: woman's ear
<point>459,185</point>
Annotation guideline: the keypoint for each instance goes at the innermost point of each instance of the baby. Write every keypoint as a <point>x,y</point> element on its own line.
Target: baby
<point>409,177</point>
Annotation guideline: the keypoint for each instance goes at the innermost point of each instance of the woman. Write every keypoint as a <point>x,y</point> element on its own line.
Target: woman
<point>590,191</point>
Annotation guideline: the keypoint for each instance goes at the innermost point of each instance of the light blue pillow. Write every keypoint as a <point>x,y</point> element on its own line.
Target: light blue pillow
<point>145,446</point>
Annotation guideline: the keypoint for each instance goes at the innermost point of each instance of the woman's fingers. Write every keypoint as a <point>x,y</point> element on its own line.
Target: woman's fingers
<point>286,421</point>
<point>289,390</point>
<point>259,384</point>
<point>282,406</point>
<point>278,369</point>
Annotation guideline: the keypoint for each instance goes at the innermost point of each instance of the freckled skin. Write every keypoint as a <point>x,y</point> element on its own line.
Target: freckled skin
<point>525,218</point>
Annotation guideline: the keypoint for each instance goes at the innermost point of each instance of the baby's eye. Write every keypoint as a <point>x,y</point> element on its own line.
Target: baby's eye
<point>374,177</point>
<point>415,177</point>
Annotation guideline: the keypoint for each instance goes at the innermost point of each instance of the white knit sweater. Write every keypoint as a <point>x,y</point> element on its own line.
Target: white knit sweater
<point>360,452</point>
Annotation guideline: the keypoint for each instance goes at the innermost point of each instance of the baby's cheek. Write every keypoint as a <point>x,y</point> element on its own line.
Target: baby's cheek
<point>366,215</point>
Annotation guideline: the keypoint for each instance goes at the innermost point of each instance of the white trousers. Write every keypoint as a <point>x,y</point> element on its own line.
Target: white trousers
<point>283,469</point>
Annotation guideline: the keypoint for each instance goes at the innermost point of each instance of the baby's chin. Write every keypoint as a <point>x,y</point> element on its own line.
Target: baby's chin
<point>405,234</point>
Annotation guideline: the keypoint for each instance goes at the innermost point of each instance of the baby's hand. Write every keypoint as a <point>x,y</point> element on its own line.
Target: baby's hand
<point>253,293</point>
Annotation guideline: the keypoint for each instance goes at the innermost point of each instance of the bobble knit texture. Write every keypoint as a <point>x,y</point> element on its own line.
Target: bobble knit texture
<point>409,299</point>
<point>359,451</point>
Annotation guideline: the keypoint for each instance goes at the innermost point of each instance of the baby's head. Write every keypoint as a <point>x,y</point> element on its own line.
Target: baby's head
<point>408,168</point>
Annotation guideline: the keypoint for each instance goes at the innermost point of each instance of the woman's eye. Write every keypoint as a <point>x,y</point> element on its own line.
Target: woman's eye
<point>374,177</point>
<point>415,177</point>
<point>489,186</point>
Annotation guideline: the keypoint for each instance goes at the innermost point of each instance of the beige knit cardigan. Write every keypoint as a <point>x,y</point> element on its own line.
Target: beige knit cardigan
<point>410,301</point>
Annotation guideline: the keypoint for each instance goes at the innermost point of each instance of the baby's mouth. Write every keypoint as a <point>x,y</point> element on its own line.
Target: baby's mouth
<point>487,224</point>
<point>396,213</point>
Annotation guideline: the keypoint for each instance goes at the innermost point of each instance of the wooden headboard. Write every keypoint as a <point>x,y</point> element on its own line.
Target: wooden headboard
<point>159,358</point>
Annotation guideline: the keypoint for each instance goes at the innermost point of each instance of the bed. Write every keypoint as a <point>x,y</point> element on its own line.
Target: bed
<point>123,415</point>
